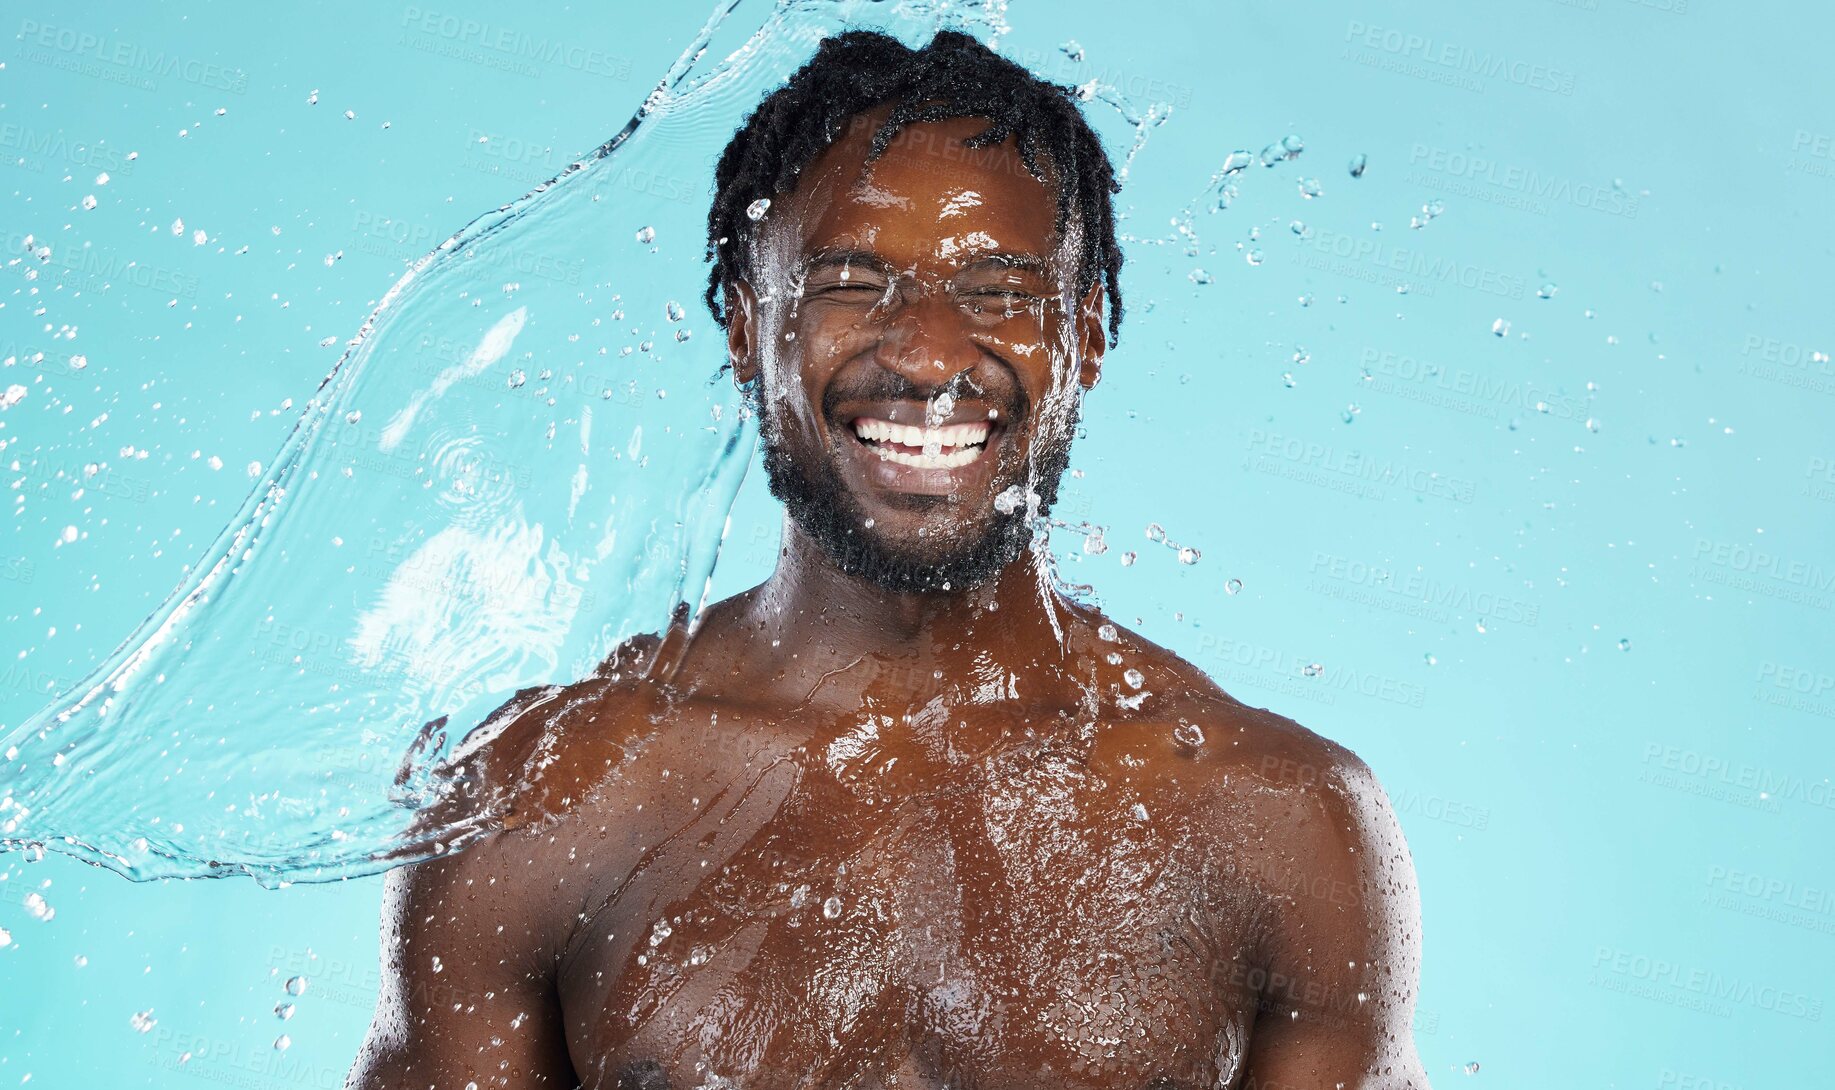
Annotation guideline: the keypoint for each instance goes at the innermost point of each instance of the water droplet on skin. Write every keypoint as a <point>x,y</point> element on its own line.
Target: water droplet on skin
<point>1188,734</point>
<point>296,985</point>
<point>1133,677</point>
<point>757,209</point>
<point>1139,811</point>
<point>831,908</point>
<point>438,965</point>
<point>1108,632</point>
<point>646,233</point>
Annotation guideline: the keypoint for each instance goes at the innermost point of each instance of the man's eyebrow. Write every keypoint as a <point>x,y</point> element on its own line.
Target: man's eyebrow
<point>1002,259</point>
<point>830,258</point>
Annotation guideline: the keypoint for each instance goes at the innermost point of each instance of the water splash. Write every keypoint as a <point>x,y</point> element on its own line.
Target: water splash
<point>505,475</point>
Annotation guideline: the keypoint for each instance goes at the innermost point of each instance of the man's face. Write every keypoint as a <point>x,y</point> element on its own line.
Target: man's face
<point>920,351</point>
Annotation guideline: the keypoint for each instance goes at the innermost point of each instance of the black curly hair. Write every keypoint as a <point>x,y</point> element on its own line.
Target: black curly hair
<point>952,76</point>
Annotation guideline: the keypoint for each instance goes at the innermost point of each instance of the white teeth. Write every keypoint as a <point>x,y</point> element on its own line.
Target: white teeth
<point>938,448</point>
<point>909,435</point>
<point>930,461</point>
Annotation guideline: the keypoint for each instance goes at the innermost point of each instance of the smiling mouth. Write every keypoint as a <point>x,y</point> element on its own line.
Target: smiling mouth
<point>951,446</point>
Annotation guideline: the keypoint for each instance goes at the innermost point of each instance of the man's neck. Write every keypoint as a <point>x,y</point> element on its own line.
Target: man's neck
<point>828,618</point>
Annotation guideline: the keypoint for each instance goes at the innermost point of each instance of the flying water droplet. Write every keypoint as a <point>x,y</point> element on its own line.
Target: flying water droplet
<point>1233,587</point>
<point>1358,163</point>
<point>1501,327</point>
<point>646,233</point>
<point>757,209</point>
<point>296,985</point>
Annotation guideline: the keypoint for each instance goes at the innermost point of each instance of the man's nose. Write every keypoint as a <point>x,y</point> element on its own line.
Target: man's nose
<point>928,341</point>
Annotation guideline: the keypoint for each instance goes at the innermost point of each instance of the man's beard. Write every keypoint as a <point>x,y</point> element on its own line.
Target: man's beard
<point>812,491</point>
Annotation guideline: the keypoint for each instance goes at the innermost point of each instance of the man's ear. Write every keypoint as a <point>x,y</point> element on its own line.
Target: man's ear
<point>741,331</point>
<point>1092,338</point>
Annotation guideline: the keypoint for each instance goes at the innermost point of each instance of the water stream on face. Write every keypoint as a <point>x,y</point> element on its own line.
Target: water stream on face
<point>525,455</point>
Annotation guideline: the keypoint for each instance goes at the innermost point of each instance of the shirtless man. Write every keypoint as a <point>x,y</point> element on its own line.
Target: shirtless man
<point>902,815</point>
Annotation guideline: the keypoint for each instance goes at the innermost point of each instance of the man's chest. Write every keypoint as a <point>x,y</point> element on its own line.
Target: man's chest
<point>1033,917</point>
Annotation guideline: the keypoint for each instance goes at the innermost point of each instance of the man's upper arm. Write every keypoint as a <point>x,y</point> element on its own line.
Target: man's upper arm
<point>1344,958</point>
<point>467,980</point>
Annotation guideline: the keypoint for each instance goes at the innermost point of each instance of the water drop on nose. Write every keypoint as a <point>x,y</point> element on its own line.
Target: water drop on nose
<point>757,209</point>
<point>296,985</point>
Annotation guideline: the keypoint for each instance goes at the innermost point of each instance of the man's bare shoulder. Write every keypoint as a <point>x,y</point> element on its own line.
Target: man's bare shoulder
<point>1256,760</point>
<point>540,755</point>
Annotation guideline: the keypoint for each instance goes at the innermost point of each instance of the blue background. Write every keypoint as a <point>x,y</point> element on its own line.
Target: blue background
<point>1585,645</point>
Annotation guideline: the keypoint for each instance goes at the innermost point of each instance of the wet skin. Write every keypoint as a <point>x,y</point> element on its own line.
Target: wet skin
<point>840,836</point>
